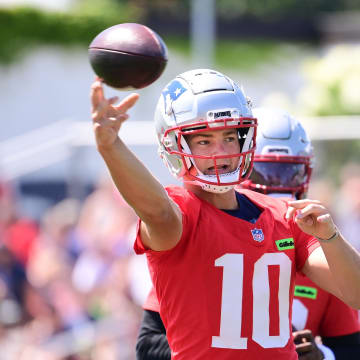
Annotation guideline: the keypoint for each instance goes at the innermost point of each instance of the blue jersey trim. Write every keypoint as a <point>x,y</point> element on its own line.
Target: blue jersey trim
<point>247,210</point>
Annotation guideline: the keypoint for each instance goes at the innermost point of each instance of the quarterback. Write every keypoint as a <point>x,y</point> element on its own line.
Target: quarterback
<point>224,285</point>
<point>283,165</point>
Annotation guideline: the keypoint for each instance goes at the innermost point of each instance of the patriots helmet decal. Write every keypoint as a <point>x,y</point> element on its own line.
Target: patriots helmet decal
<point>172,92</point>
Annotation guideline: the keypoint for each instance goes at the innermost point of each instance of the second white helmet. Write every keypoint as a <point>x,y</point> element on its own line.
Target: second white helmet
<point>284,155</point>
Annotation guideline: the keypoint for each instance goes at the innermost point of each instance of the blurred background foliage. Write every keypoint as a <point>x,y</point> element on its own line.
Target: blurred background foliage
<point>265,8</point>
<point>332,78</point>
<point>227,9</point>
<point>86,18</point>
<point>19,35</point>
<point>332,82</point>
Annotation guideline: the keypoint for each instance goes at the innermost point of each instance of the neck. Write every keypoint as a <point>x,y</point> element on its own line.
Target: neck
<point>226,201</point>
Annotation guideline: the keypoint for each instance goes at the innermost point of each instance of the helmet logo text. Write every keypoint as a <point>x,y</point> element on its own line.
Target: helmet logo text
<point>222,114</point>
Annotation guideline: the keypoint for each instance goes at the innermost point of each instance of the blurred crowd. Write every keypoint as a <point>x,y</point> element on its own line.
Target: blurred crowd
<point>65,287</point>
<point>71,287</point>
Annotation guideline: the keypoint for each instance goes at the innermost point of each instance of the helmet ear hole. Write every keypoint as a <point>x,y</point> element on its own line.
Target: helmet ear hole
<point>242,133</point>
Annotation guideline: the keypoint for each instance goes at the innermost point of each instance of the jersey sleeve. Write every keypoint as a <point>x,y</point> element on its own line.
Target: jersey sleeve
<point>139,247</point>
<point>189,207</point>
<point>339,319</point>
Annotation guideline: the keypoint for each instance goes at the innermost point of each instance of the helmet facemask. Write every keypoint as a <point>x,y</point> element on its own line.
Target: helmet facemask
<point>219,182</point>
<point>280,174</point>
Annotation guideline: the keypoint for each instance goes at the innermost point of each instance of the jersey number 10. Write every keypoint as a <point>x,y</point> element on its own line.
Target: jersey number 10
<point>231,303</point>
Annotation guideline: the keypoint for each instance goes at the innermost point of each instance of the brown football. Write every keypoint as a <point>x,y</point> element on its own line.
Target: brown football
<point>128,56</point>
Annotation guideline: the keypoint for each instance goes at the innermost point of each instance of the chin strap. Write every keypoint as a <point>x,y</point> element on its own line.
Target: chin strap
<point>215,189</point>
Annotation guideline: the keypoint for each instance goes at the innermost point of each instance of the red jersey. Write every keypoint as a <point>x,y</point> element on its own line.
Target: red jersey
<point>313,308</point>
<point>321,312</point>
<point>226,289</point>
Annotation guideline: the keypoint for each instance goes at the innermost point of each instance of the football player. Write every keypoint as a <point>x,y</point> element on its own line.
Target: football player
<point>283,165</point>
<point>223,284</point>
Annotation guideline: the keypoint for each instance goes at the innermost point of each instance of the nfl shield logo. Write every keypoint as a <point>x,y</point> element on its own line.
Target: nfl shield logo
<point>257,235</point>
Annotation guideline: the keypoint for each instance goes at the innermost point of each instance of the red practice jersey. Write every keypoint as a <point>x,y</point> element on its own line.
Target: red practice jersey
<point>321,312</point>
<point>225,290</point>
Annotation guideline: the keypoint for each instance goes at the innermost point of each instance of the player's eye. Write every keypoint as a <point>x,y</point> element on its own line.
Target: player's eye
<point>230,138</point>
<point>203,142</point>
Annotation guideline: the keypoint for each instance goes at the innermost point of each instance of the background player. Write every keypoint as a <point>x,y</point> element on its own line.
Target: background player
<point>207,136</point>
<point>283,165</point>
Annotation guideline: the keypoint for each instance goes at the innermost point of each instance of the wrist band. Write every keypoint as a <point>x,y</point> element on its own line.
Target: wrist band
<point>336,233</point>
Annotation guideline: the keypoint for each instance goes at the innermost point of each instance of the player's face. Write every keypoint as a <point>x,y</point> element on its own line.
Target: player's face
<point>211,143</point>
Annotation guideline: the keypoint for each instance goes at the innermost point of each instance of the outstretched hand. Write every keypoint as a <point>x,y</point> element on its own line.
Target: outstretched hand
<point>312,218</point>
<point>108,117</point>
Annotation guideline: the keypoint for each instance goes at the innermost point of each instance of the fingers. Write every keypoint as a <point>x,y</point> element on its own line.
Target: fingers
<point>304,208</point>
<point>311,217</point>
<point>290,212</point>
<point>101,110</point>
<point>311,209</point>
<point>105,108</point>
<point>302,335</point>
<point>314,213</point>
<point>96,93</point>
<point>309,214</point>
<point>304,347</point>
<point>299,204</point>
<point>326,218</point>
<point>113,122</point>
<point>113,100</point>
<point>108,117</point>
<point>127,103</point>
<point>121,118</point>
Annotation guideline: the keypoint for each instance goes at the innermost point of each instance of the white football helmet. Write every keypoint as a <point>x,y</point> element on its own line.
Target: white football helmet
<point>197,101</point>
<point>284,155</point>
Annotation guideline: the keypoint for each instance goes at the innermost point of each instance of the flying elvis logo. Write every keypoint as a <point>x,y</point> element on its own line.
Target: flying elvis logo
<point>285,244</point>
<point>257,235</point>
<point>172,92</point>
